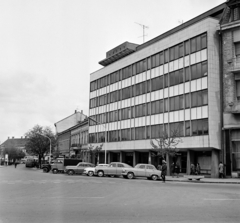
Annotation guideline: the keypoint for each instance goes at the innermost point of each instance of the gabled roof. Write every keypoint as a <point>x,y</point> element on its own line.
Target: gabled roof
<point>14,143</point>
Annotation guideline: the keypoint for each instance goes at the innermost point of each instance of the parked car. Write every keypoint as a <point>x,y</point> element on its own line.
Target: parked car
<point>90,171</point>
<point>78,169</point>
<point>113,169</point>
<point>60,164</point>
<point>142,170</point>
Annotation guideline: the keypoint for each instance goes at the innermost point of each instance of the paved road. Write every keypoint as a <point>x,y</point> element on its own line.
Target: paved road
<point>28,195</point>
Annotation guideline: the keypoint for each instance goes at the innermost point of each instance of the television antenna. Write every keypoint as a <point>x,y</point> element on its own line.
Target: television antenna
<point>143,27</point>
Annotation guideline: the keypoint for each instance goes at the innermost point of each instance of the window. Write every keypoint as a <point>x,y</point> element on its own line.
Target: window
<point>150,167</point>
<point>194,127</point>
<point>187,47</point>
<point>120,165</point>
<point>166,108</point>
<point>194,102</point>
<point>187,100</point>
<point>237,49</point>
<point>193,45</point>
<point>187,74</point>
<point>161,58</point>
<point>166,59</point>
<point>238,89</point>
<point>140,133</point>
<point>204,41</point>
<point>187,128</point>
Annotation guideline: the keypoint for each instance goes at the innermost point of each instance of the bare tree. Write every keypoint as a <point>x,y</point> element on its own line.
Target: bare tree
<point>165,144</point>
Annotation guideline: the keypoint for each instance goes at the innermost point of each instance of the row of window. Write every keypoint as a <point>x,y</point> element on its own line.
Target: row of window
<point>174,78</point>
<point>178,129</point>
<point>185,48</point>
<point>184,101</point>
<point>79,139</point>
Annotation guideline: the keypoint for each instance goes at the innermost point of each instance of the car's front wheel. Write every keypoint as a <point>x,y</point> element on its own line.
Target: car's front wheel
<point>55,171</point>
<point>130,175</point>
<point>154,177</point>
<point>90,173</point>
<point>70,172</point>
<point>100,173</point>
<point>45,170</point>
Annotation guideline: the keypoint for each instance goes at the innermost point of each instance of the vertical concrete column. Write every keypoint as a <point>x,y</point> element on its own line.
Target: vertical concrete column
<point>190,159</point>
<point>109,157</point>
<point>214,164</point>
<point>120,158</point>
<point>134,158</point>
<point>149,157</point>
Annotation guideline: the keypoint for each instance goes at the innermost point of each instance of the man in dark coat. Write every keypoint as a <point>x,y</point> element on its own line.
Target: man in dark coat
<point>164,170</point>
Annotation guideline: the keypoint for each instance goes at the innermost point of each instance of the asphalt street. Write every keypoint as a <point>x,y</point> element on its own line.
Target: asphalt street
<point>29,195</point>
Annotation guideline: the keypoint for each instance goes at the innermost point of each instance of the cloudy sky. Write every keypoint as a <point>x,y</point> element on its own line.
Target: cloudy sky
<point>48,48</point>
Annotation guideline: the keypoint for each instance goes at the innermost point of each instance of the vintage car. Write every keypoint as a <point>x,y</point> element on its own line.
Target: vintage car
<point>112,170</point>
<point>90,171</point>
<point>78,169</point>
<point>142,170</point>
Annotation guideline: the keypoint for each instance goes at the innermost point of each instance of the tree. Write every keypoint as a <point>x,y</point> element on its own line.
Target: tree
<point>165,144</point>
<point>37,143</point>
<point>95,151</point>
<point>14,153</point>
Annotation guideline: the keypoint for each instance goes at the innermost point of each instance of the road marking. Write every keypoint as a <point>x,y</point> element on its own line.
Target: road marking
<point>220,199</point>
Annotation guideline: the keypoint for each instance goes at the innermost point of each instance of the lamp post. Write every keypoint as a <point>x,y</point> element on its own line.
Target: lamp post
<point>50,152</point>
<point>104,126</point>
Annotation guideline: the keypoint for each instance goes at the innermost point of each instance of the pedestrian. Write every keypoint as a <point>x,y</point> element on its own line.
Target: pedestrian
<point>198,169</point>
<point>220,167</point>
<point>192,169</point>
<point>164,170</point>
<point>15,164</point>
<point>173,169</point>
<point>177,169</point>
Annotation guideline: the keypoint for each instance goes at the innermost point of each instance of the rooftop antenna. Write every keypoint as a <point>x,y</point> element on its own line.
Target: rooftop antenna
<point>144,27</point>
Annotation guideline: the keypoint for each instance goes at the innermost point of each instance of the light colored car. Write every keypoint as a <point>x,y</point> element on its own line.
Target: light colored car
<point>113,169</point>
<point>142,170</point>
<point>78,169</point>
<point>90,171</point>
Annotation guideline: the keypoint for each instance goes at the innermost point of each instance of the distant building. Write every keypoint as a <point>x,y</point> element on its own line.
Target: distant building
<point>63,131</point>
<point>174,81</point>
<point>14,143</point>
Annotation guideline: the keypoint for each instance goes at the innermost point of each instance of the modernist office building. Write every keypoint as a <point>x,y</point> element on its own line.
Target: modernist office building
<point>170,82</point>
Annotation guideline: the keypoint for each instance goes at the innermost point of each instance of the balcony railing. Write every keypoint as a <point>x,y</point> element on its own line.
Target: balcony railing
<point>235,65</point>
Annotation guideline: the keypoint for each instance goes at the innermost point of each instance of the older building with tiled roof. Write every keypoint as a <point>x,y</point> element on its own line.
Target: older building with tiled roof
<point>18,143</point>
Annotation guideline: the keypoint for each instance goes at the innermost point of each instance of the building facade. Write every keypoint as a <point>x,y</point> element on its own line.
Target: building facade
<point>63,131</point>
<point>229,32</point>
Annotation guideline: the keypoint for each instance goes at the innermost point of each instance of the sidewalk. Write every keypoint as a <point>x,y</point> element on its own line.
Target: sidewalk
<point>205,180</point>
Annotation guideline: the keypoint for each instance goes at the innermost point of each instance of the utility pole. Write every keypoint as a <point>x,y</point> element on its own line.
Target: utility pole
<point>144,27</point>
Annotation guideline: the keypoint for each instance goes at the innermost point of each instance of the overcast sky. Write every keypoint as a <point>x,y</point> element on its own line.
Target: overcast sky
<point>48,48</point>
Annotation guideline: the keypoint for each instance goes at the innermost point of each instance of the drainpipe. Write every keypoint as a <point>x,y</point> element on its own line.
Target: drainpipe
<point>221,97</point>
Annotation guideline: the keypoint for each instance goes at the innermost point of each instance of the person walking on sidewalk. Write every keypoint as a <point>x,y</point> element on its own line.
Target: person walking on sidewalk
<point>220,167</point>
<point>164,170</point>
<point>15,164</point>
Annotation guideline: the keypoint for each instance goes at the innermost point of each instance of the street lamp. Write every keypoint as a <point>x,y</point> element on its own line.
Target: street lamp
<point>105,127</point>
<point>50,152</point>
